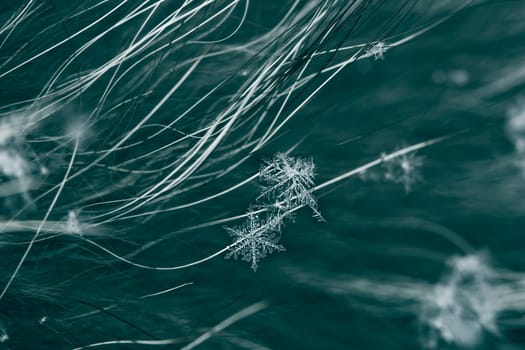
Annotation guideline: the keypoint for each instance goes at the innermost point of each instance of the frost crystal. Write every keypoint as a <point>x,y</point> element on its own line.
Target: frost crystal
<point>255,239</point>
<point>289,182</point>
<point>405,169</point>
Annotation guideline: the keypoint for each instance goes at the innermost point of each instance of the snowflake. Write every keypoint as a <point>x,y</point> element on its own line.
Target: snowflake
<point>72,223</point>
<point>4,336</point>
<point>516,132</point>
<point>462,305</point>
<point>377,50</point>
<point>12,164</point>
<point>289,181</point>
<point>405,169</point>
<point>516,126</point>
<point>255,239</point>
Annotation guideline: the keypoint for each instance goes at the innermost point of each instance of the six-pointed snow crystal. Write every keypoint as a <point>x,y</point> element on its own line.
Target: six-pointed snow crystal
<point>289,181</point>
<point>255,239</point>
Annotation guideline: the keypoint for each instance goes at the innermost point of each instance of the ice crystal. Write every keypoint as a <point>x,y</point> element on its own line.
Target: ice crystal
<point>255,239</point>
<point>405,169</point>
<point>289,181</point>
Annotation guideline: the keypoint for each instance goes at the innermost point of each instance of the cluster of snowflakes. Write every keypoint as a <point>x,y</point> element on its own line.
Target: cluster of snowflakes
<point>287,185</point>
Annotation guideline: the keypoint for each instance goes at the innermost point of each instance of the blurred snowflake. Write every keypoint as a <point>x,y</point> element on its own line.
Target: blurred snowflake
<point>72,223</point>
<point>377,50</point>
<point>462,306</point>
<point>405,169</point>
<point>515,129</point>
<point>255,239</point>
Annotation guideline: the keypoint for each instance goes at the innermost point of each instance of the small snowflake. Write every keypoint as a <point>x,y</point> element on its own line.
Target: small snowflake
<point>289,181</point>
<point>405,169</point>
<point>377,50</point>
<point>255,239</point>
<point>3,335</point>
<point>73,224</point>
<point>12,164</point>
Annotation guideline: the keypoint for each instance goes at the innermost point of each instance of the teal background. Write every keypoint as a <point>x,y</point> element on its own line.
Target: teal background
<point>374,230</point>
